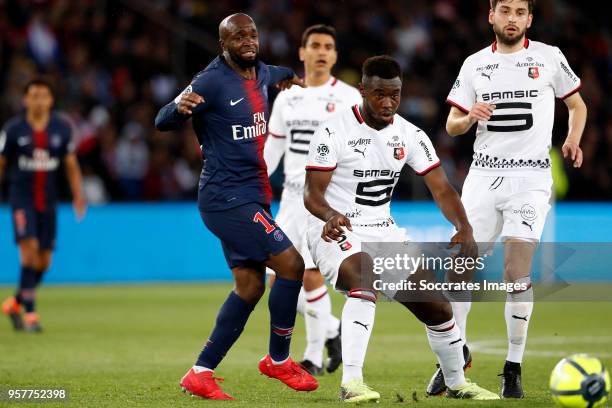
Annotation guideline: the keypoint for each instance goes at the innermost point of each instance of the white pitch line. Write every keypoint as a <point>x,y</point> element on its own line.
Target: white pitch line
<point>499,346</point>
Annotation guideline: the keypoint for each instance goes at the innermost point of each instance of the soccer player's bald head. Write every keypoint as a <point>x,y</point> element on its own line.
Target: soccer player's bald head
<point>233,23</point>
<point>239,40</point>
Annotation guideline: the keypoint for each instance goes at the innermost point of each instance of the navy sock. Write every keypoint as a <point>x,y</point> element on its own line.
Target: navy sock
<point>231,319</point>
<point>282,304</point>
<point>26,288</point>
<point>39,276</point>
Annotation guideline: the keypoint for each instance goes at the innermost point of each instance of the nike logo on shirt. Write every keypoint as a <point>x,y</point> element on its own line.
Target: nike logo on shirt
<point>233,103</point>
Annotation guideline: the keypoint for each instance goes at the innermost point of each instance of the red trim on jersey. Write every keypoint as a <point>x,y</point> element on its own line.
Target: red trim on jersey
<point>494,45</point>
<point>258,105</point>
<point>277,136</point>
<point>572,92</point>
<point>316,298</point>
<point>456,105</point>
<point>39,185</point>
<point>357,114</point>
<point>334,82</point>
<point>430,168</point>
<point>317,168</point>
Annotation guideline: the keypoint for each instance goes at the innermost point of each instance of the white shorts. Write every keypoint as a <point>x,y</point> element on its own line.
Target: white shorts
<point>329,255</point>
<point>506,207</point>
<point>292,219</point>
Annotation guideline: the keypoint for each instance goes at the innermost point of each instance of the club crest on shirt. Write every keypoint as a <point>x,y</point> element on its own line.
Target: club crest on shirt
<point>330,107</point>
<point>398,153</point>
<point>533,72</point>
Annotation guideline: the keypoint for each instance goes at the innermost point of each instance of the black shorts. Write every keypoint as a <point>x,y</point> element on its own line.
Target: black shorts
<point>247,233</point>
<point>30,223</point>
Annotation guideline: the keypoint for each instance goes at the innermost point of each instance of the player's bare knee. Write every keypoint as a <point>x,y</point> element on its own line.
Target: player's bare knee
<point>357,271</point>
<point>431,313</point>
<point>313,279</point>
<point>250,290</point>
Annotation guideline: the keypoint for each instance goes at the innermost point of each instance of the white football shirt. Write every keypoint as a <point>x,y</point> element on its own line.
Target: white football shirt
<point>367,163</point>
<point>296,114</point>
<point>523,86</point>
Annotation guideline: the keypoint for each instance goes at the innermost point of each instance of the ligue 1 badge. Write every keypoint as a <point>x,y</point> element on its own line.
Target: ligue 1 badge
<point>330,107</point>
<point>398,153</point>
<point>534,72</point>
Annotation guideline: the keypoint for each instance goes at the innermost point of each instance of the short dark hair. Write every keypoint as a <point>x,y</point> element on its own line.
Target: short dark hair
<point>318,29</point>
<point>38,82</point>
<point>382,66</point>
<point>530,4</point>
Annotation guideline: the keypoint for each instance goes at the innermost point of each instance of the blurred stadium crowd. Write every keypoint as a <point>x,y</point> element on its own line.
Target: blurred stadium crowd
<point>115,62</point>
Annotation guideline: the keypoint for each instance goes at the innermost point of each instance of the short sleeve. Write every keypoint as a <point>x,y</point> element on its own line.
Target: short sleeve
<point>276,127</point>
<point>422,157</point>
<point>462,95</point>
<point>278,74</point>
<point>324,149</point>
<point>565,82</point>
<point>205,85</point>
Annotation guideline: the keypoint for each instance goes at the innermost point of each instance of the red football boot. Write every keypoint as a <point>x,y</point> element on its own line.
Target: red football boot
<point>290,372</point>
<point>12,310</point>
<point>203,385</point>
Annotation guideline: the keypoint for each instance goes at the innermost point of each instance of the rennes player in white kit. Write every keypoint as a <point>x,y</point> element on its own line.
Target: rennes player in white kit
<point>508,90</point>
<point>354,163</point>
<point>295,117</point>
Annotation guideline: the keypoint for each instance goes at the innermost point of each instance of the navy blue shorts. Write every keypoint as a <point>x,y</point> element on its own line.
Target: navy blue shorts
<point>30,223</point>
<point>248,233</point>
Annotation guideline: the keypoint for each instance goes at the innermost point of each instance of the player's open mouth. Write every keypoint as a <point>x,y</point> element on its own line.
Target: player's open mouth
<point>249,54</point>
<point>321,62</point>
<point>511,29</point>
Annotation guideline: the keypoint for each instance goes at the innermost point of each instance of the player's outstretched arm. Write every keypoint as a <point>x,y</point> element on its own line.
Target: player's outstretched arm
<point>459,122</point>
<point>173,115</point>
<point>577,119</point>
<point>73,174</point>
<point>449,202</point>
<point>315,202</point>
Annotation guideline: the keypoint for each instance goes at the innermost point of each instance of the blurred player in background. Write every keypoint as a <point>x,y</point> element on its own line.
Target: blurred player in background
<point>296,115</point>
<point>31,150</point>
<point>508,89</point>
<point>354,163</point>
<point>228,104</point>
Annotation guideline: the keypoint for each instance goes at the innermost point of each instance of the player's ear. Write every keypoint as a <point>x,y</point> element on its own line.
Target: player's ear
<point>529,20</point>
<point>491,14</point>
<point>221,44</point>
<point>301,52</point>
<point>361,89</point>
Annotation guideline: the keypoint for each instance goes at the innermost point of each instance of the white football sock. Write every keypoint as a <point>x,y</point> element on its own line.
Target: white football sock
<point>357,323</point>
<point>301,303</point>
<point>445,341</point>
<point>318,307</point>
<point>519,306</point>
<point>333,326</point>
<point>460,312</point>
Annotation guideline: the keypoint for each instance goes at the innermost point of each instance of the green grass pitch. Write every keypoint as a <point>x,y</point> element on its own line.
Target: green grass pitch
<point>119,346</point>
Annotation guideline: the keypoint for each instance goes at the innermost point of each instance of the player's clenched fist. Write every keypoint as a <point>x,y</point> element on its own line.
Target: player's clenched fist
<point>481,111</point>
<point>333,228</point>
<point>188,101</point>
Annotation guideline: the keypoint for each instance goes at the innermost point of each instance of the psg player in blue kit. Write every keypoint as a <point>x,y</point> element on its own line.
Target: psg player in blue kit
<point>227,102</point>
<point>31,149</point>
